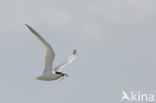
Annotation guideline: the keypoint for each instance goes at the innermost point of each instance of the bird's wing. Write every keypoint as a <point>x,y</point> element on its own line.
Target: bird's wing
<point>61,66</point>
<point>50,54</point>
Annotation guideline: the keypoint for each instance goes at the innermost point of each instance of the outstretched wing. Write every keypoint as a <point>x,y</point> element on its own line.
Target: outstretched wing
<point>49,51</point>
<point>61,66</point>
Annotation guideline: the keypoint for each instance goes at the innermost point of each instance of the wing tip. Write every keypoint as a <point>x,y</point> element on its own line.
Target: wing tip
<point>27,25</point>
<point>74,52</point>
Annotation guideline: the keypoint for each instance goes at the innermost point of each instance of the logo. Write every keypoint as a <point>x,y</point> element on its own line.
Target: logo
<point>137,97</point>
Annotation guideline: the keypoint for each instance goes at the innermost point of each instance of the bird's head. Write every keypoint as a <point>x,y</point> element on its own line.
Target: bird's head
<point>63,76</point>
<point>66,75</point>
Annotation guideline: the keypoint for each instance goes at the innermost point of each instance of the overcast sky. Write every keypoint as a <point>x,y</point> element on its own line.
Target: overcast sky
<point>115,40</point>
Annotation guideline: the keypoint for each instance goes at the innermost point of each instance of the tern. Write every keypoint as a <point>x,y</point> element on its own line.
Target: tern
<point>49,73</point>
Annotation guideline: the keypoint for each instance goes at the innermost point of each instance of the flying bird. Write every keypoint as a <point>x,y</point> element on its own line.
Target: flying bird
<point>49,73</point>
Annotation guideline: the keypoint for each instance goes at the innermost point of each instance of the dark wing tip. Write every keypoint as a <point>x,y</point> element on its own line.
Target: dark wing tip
<point>74,52</point>
<point>30,28</point>
<point>27,25</point>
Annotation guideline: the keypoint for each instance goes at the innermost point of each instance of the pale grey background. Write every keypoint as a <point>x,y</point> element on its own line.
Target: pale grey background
<point>116,47</point>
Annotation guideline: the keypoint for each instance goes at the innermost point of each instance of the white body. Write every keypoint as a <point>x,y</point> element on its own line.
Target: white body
<point>49,73</point>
